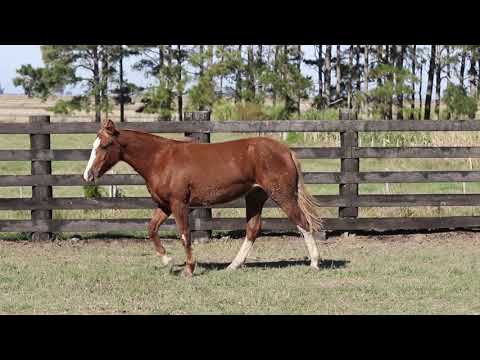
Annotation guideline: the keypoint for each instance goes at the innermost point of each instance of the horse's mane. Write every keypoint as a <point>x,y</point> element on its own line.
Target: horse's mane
<point>161,138</point>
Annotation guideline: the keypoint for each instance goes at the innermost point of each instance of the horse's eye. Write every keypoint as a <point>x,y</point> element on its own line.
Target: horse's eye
<point>107,144</point>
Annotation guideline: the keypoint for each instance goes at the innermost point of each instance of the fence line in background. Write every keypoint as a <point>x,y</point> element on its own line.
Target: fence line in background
<point>199,126</point>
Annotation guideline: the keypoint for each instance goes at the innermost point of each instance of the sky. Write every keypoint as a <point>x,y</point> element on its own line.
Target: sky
<point>13,56</point>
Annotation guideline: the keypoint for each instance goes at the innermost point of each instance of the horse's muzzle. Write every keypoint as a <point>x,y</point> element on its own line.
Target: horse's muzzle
<point>88,176</point>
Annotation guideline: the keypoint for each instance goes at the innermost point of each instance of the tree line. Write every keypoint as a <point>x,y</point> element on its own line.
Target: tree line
<point>376,81</point>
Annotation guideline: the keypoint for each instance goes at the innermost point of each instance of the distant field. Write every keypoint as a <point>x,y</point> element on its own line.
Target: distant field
<point>433,273</point>
<point>17,108</point>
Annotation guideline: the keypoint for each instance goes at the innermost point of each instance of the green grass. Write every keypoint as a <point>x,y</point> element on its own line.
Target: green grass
<point>402,274</point>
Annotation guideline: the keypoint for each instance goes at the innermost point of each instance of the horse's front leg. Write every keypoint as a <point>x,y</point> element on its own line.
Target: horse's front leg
<point>159,217</point>
<point>180,212</point>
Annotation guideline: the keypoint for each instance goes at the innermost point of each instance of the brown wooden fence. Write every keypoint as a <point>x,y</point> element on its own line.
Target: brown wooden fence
<point>42,203</point>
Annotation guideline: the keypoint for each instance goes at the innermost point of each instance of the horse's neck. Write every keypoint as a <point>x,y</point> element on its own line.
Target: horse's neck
<point>138,150</point>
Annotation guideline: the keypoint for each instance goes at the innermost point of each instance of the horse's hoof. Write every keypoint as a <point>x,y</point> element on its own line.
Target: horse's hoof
<point>166,260</point>
<point>232,267</point>
<point>315,266</point>
<point>187,274</point>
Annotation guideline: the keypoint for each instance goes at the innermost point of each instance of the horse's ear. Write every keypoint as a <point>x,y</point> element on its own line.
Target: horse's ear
<point>109,126</point>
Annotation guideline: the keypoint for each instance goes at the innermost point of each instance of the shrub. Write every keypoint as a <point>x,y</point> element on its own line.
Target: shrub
<point>248,111</point>
<point>275,112</point>
<point>223,110</point>
<point>458,102</point>
<point>312,114</point>
<point>92,191</point>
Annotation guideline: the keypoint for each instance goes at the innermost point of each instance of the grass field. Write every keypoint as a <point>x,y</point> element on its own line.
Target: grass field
<point>391,274</point>
<point>434,273</point>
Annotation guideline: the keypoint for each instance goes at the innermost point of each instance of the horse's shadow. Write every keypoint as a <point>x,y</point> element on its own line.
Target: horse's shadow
<point>279,264</point>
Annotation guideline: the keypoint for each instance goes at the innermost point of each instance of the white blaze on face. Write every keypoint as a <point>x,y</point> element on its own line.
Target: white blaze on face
<point>93,155</point>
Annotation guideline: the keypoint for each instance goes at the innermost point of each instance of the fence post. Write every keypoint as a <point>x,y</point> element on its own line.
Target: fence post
<point>41,167</point>
<point>349,164</point>
<point>199,236</point>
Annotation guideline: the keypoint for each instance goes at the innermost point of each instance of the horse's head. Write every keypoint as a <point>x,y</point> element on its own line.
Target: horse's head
<point>105,152</point>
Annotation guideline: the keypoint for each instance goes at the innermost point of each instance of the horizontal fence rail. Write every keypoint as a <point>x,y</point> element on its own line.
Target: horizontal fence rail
<point>228,224</point>
<point>302,153</point>
<point>348,178</point>
<point>247,126</point>
<point>323,200</point>
<point>310,178</point>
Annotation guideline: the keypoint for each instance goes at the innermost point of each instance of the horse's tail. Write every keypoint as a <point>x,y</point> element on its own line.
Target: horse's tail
<point>306,201</point>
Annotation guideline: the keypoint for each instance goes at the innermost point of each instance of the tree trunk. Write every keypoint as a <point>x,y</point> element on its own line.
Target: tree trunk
<point>289,104</point>
<point>400,50</point>
<point>412,96</point>
<point>201,69</point>
<point>365,75</point>
<point>357,77</point>
<point>478,75</point>
<point>328,69</point>
<point>238,79</point>
<point>447,48</point>
<point>122,104</point>
<point>462,68</point>
<point>420,92</point>
<point>320,71</point>
<point>472,75</point>
<point>104,79</point>
<point>431,71</point>
<point>390,59</point>
<point>350,77</point>
<point>251,74</point>
<point>381,60</point>
<point>472,72</point>
<point>160,58</point>
<point>275,70</point>
<point>299,65</point>
<point>338,73</point>
<point>96,84</point>
<point>438,82</point>
<point>259,66</point>
<point>222,59</point>
<point>179,79</point>
<point>357,69</point>
<point>169,101</point>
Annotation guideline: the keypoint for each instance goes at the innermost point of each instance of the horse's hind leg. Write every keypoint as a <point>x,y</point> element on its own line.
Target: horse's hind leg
<point>180,212</point>
<point>255,200</point>
<point>159,217</point>
<point>290,206</point>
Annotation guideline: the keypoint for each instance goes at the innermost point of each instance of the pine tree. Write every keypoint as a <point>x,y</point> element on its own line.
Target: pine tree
<point>366,78</point>
<point>327,74</point>
<point>413,57</point>
<point>338,73</point>
<point>438,77</point>
<point>202,93</point>
<point>350,77</point>
<point>431,70</point>
<point>317,61</point>
<point>62,68</point>
<point>400,50</point>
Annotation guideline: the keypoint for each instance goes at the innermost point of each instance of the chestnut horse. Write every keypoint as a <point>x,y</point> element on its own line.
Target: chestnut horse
<point>179,174</point>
